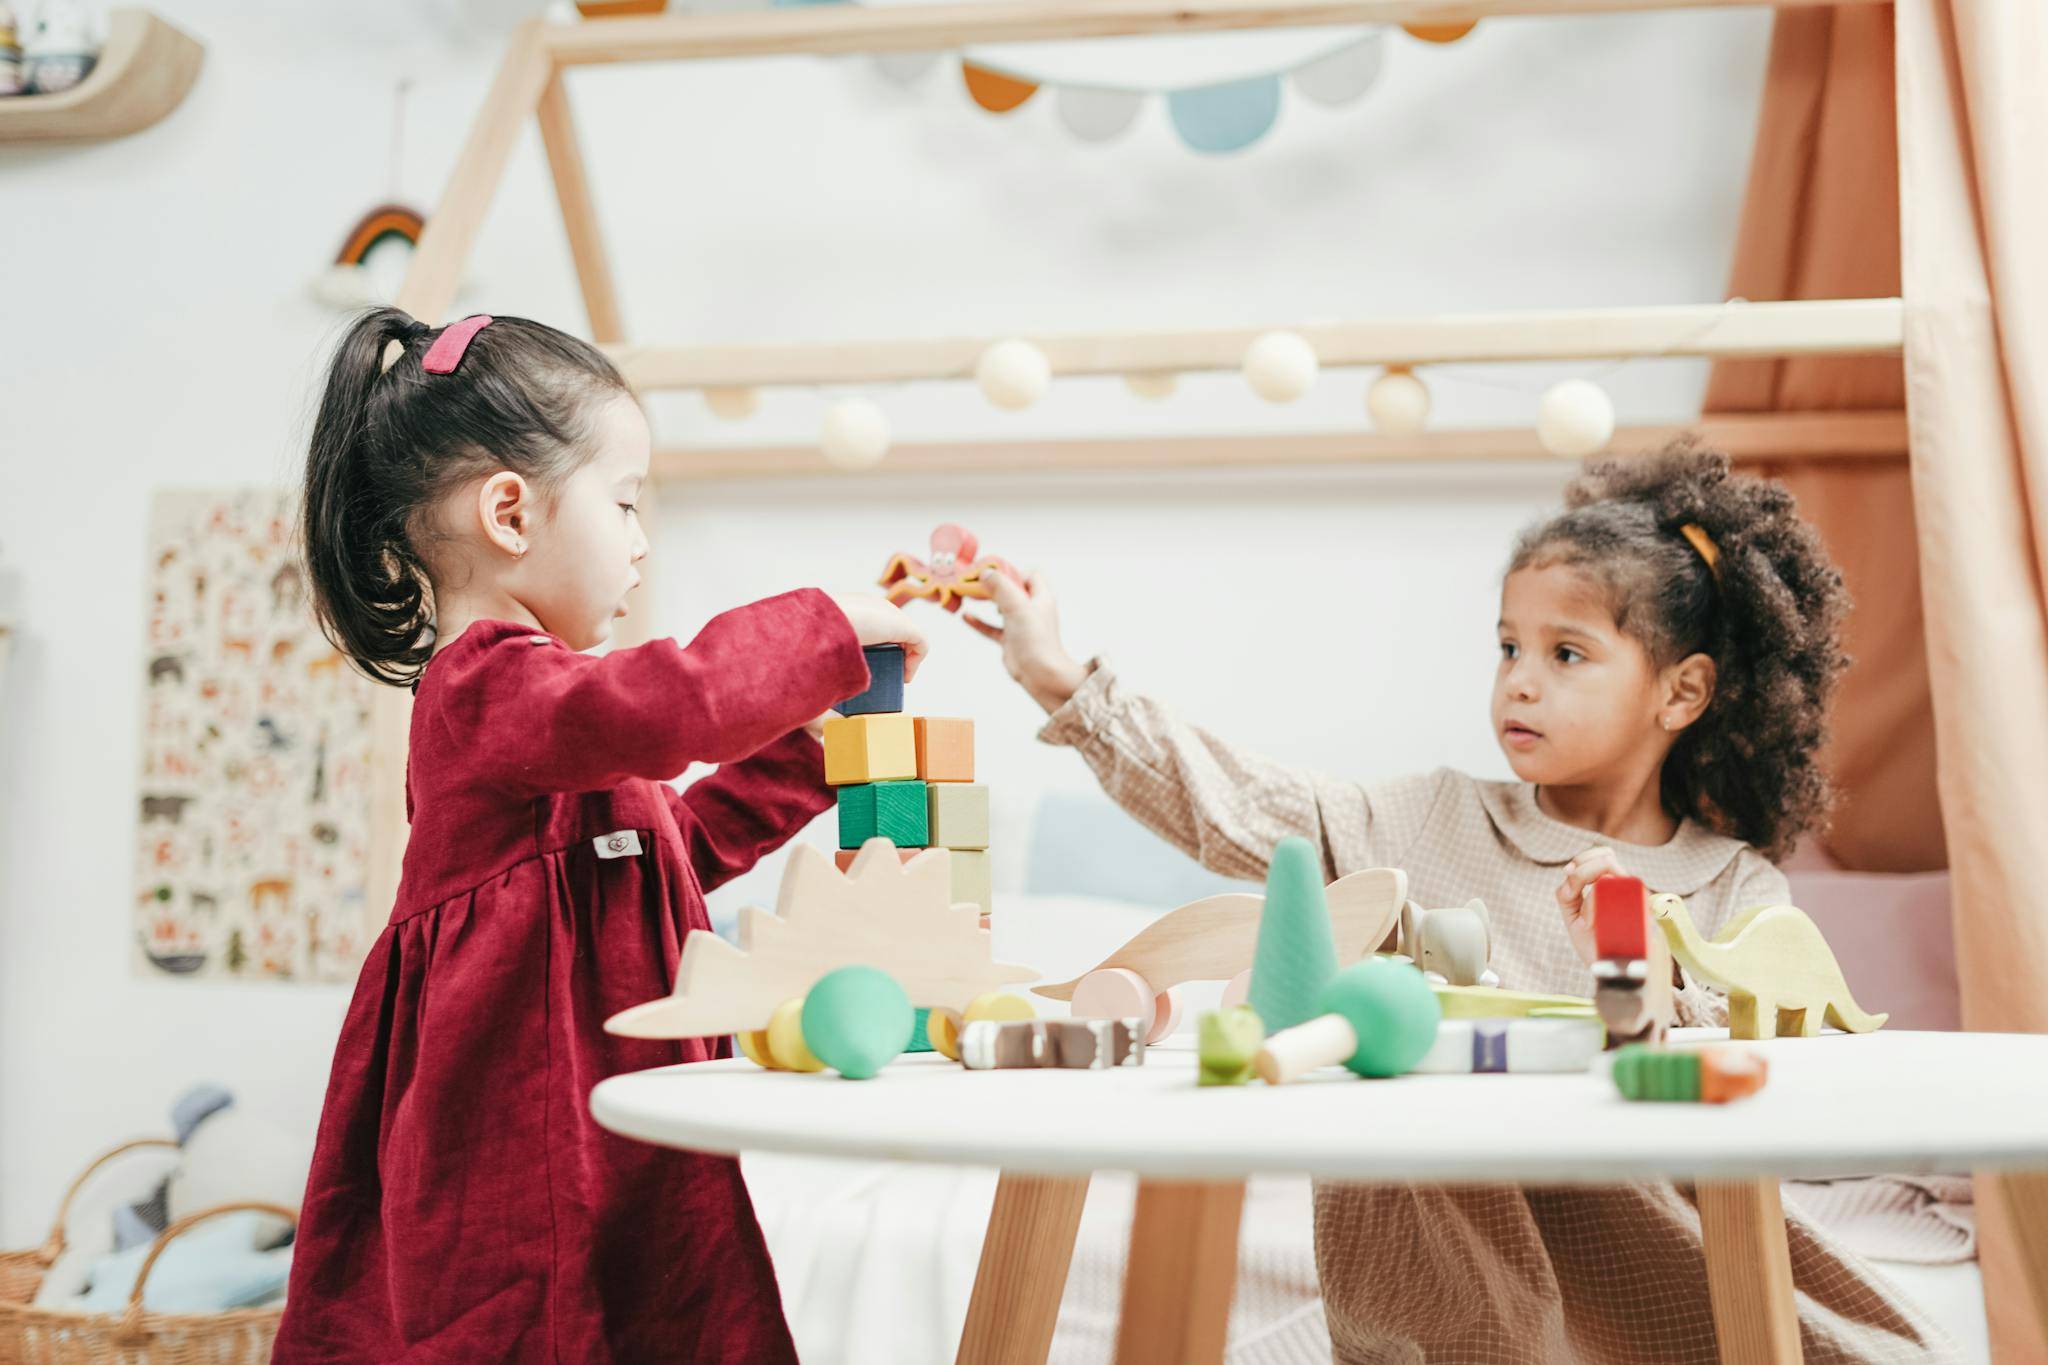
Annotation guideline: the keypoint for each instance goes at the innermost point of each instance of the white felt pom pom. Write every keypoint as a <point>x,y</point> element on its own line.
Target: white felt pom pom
<point>1280,367</point>
<point>1152,385</point>
<point>1013,374</point>
<point>732,405</point>
<point>1398,403</point>
<point>855,434</point>
<point>1575,419</point>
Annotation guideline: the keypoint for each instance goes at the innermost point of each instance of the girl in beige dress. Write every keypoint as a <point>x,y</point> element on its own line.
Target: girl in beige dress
<point>1668,644</point>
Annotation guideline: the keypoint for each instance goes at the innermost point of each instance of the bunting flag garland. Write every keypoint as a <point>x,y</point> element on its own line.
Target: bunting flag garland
<point>1224,93</point>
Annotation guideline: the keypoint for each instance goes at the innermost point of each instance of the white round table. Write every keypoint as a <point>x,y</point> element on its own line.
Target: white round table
<point>1835,1105</point>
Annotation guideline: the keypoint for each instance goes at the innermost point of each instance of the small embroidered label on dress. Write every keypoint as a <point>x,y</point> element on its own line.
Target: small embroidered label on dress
<point>623,843</point>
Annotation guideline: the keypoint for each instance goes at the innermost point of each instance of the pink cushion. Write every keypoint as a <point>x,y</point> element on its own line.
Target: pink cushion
<point>1891,934</point>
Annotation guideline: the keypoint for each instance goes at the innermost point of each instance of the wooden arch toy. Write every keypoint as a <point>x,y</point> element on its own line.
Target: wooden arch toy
<point>1213,939</point>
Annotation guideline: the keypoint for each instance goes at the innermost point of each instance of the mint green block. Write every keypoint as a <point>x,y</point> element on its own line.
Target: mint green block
<point>1296,955</point>
<point>889,810</point>
<point>919,1040</point>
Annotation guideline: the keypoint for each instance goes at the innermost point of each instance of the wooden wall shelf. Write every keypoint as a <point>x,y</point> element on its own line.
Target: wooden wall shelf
<point>144,72</point>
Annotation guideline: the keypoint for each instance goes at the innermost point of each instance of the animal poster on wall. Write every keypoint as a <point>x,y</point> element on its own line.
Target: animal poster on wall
<point>253,828</point>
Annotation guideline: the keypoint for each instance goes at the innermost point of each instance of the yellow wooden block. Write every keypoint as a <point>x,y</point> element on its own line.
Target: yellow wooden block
<point>970,877</point>
<point>872,748</point>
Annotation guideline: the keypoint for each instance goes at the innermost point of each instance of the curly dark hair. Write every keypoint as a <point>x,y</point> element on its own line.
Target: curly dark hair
<point>1769,616</point>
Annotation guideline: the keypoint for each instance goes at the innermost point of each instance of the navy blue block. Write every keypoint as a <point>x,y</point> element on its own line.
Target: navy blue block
<point>885,684</point>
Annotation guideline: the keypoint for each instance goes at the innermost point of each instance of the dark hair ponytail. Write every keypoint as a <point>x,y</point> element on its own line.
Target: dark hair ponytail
<point>389,442</point>
<point>1769,614</point>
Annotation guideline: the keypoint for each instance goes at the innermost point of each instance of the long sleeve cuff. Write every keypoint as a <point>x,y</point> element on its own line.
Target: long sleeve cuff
<point>1093,706</point>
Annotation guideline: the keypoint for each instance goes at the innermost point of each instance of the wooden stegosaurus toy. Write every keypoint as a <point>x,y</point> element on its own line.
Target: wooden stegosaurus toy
<point>1780,975</point>
<point>883,911</point>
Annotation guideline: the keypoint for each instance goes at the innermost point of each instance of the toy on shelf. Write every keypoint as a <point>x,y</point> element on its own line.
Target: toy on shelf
<point>1708,1075</point>
<point>1296,952</point>
<point>1077,1044</point>
<point>857,1020</point>
<point>1632,972</point>
<point>943,1028</point>
<point>884,912</point>
<point>1452,946</point>
<point>1379,1018</point>
<point>1518,1045</point>
<point>1491,1002</point>
<point>1230,1040</point>
<point>1779,973</point>
<point>1215,939</point>
<point>955,570</point>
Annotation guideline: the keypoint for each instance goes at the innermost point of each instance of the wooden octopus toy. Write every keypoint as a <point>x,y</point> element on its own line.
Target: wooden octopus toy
<point>954,573</point>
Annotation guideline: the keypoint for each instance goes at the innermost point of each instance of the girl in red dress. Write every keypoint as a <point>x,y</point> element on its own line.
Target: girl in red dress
<point>470,529</point>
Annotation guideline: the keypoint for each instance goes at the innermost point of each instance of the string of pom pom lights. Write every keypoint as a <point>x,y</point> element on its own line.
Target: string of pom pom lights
<point>1570,419</point>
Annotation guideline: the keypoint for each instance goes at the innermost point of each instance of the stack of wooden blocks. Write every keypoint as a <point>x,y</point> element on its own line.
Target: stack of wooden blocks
<point>908,779</point>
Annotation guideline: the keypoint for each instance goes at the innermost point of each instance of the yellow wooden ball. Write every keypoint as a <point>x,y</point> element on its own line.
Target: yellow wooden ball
<point>786,1038</point>
<point>754,1047</point>
<point>944,1027</point>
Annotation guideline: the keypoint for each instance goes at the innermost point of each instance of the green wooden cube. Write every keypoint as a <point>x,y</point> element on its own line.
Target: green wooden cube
<point>888,810</point>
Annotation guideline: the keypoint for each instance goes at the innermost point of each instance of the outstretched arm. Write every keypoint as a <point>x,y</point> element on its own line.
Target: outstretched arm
<point>551,720</point>
<point>732,818</point>
<point>1222,805</point>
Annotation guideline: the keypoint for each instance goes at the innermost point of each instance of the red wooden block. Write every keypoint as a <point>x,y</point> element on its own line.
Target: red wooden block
<point>1621,918</point>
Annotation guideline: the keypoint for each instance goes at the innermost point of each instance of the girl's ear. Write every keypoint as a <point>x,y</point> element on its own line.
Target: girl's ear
<point>505,509</point>
<point>1688,687</point>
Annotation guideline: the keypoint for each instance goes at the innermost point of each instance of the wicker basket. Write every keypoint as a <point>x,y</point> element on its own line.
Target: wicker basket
<point>21,1272</point>
<point>135,1336</point>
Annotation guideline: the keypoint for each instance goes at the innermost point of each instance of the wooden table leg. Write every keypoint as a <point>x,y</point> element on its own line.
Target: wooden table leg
<point>1181,1273</point>
<point>1749,1271</point>
<point>1024,1259</point>
<point>2026,1204</point>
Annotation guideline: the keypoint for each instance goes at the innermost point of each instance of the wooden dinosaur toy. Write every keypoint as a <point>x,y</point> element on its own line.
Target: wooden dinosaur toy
<point>1780,976</point>
<point>884,911</point>
<point>1213,939</point>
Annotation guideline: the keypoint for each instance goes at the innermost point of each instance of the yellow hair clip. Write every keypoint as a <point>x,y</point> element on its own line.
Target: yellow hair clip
<point>1704,543</point>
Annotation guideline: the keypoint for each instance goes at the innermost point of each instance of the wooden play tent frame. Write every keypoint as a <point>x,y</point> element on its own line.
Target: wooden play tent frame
<point>1184,1235</point>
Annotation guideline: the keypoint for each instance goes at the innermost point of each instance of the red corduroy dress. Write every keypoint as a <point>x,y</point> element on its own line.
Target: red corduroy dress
<point>463,1206</point>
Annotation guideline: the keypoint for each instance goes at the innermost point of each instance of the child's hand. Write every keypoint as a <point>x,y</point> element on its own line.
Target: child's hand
<point>1575,897</point>
<point>878,622</point>
<point>816,728</point>
<point>1030,637</point>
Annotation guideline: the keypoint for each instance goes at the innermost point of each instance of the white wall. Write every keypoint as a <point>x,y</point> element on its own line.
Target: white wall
<point>157,332</point>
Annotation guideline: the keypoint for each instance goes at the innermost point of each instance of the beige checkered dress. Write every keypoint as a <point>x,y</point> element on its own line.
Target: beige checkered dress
<point>1481,1274</point>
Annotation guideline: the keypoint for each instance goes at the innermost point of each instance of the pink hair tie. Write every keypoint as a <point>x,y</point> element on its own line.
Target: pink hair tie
<point>446,353</point>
